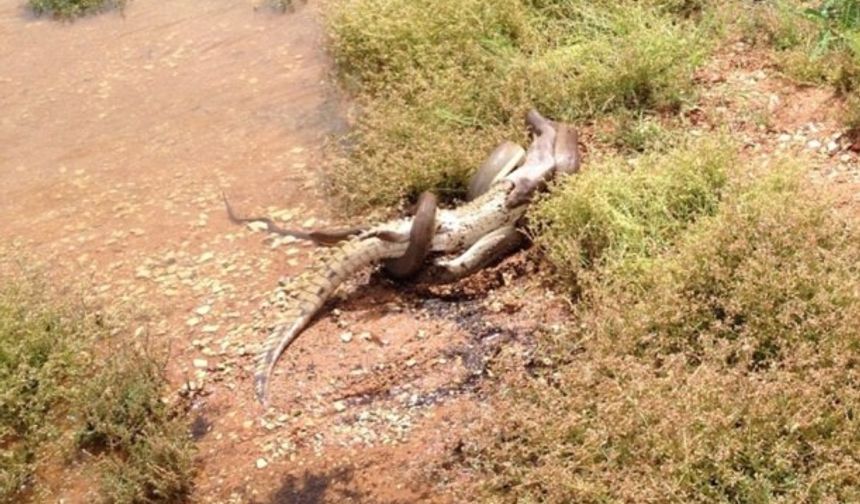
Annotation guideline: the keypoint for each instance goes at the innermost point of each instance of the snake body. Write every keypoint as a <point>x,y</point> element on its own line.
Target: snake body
<point>479,230</point>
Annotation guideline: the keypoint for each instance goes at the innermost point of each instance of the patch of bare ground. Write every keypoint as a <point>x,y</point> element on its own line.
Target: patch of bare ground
<point>745,96</point>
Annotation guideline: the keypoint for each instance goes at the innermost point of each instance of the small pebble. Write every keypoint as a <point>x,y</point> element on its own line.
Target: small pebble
<point>262,463</point>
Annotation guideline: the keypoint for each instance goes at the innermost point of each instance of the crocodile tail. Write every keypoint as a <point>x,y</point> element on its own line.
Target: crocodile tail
<point>309,291</point>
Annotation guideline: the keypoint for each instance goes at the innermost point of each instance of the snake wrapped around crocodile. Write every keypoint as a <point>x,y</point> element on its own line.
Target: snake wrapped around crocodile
<point>436,245</point>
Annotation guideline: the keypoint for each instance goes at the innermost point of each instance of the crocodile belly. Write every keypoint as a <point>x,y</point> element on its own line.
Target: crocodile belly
<point>459,230</point>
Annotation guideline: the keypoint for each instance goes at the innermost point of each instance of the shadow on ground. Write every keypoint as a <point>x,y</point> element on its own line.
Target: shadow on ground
<point>314,488</point>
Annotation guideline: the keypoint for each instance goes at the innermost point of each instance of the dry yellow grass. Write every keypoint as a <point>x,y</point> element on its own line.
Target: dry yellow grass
<point>725,371</point>
<point>441,82</point>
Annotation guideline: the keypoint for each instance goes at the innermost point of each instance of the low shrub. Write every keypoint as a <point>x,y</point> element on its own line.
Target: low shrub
<point>636,134</point>
<point>772,273</point>
<point>57,380</point>
<point>123,415</point>
<point>607,427</point>
<point>616,218</point>
<point>68,9</point>
<point>726,371</point>
<point>42,359</point>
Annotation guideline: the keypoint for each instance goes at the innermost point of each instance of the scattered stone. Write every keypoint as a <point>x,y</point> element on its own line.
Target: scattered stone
<point>411,363</point>
<point>262,463</point>
<point>201,363</point>
<point>203,310</point>
<point>346,337</point>
<point>813,145</point>
<point>339,406</point>
<point>142,272</point>
<point>192,321</point>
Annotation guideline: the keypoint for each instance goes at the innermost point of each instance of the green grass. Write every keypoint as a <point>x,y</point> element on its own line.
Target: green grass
<point>813,43</point>
<point>41,360</point>
<point>440,83</point>
<point>67,386</point>
<point>725,371</point>
<point>68,9</point>
<point>617,218</point>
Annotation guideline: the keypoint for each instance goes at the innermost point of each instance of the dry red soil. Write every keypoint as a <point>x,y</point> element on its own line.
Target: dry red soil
<point>119,133</point>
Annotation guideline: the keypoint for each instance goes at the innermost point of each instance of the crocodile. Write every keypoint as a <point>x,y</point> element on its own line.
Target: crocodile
<point>480,231</point>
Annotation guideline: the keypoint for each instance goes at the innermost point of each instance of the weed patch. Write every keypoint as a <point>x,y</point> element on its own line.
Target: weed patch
<point>68,9</point>
<point>616,218</point>
<point>817,44</point>
<point>58,387</point>
<point>441,83</point>
<point>725,371</point>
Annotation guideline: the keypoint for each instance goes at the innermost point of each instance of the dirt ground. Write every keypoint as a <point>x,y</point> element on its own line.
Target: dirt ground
<point>119,133</point>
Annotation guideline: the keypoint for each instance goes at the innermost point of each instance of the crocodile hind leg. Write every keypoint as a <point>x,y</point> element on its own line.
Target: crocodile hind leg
<point>420,239</point>
<point>488,249</point>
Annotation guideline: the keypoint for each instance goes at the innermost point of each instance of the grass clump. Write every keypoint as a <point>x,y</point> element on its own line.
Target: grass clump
<point>60,394</point>
<point>614,218</point>
<point>41,360</point>
<point>68,9</point>
<point>638,134</point>
<point>124,415</point>
<point>815,44</point>
<point>724,372</point>
<point>442,82</point>
<point>772,273</point>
